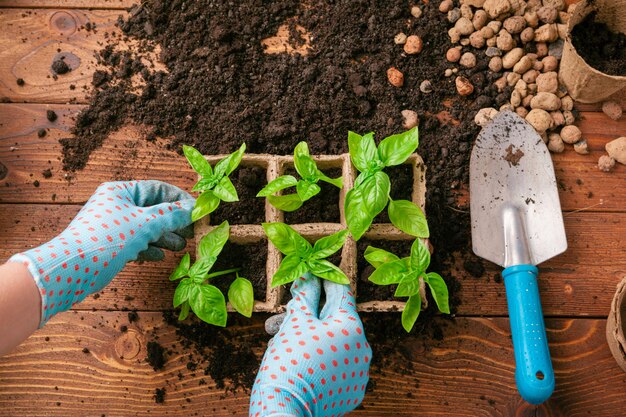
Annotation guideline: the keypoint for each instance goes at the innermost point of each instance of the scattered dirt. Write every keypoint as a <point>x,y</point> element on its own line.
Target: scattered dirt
<point>155,357</point>
<point>251,259</point>
<point>51,115</point>
<point>59,66</point>
<point>249,209</point>
<point>159,395</point>
<point>324,207</point>
<point>599,47</point>
<point>401,177</point>
<point>230,357</point>
<point>513,156</point>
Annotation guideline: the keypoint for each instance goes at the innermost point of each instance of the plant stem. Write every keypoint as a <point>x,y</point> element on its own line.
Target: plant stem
<point>219,273</point>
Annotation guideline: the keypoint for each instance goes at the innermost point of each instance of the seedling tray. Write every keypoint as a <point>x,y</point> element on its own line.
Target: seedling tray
<point>275,166</point>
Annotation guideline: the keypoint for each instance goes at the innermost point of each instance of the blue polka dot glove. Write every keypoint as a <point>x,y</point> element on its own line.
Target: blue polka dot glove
<point>318,363</point>
<point>122,222</point>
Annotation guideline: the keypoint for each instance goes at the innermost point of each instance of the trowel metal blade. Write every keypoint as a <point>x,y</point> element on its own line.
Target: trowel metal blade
<point>511,171</point>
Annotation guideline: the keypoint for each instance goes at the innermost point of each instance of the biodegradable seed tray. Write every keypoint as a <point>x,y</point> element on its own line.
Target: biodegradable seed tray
<point>274,166</point>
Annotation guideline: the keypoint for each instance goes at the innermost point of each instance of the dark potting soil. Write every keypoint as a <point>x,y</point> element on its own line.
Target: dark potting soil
<point>155,357</point>
<point>250,258</point>
<point>230,356</point>
<point>599,47</point>
<point>250,209</point>
<point>401,177</point>
<point>324,207</point>
<point>366,290</point>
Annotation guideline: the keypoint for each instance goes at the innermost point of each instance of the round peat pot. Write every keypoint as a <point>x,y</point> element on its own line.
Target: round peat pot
<point>585,83</point>
<point>616,325</point>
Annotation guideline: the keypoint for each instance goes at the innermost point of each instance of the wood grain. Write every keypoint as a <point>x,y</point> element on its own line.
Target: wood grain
<point>579,282</point>
<point>468,373</point>
<point>69,4</point>
<point>127,155</point>
<point>31,39</point>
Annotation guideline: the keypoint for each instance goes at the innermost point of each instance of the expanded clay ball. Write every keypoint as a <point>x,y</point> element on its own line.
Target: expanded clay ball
<point>514,24</point>
<point>477,40</point>
<point>416,12</point>
<point>555,143</point>
<point>504,41</point>
<point>495,64</point>
<point>445,6</point>
<point>468,60</point>
<point>395,77</point>
<point>463,86</point>
<point>399,39</point>
<point>606,163</point>
<point>571,134</point>
<point>480,19</point>
<point>464,26</point>
<point>413,45</point>
<point>612,109</point>
<point>550,63</point>
<point>485,115</point>
<point>581,147</point>
<point>547,14</point>
<point>410,119</point>
<point>548,82</point>
<point>453,54</point>
<point>527,35</point>
<point>539,119</point>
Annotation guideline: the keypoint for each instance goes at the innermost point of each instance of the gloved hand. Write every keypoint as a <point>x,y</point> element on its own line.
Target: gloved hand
<point>317,364</point>
<point>121,221</point>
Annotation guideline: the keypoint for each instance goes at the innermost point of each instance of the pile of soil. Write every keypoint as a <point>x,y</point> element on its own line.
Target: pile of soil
<point>250,258</point>
<point>249,209</point>
<point>599,47</point>
<point>324,207</point>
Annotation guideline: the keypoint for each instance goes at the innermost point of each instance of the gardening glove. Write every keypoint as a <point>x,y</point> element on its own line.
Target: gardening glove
<point>122,222</point>
<point>318,363</point>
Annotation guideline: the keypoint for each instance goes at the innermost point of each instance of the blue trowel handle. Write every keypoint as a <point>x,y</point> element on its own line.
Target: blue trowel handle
<point>533,368</point>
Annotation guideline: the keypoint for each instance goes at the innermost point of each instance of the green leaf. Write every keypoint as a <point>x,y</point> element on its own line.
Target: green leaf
<point>357,215</point>
<point>205,204</point>
<point>278,184</point>
<point>328,245</point>
<point>362,150</point>
<point>225,191</point>
<point>395,149</point>
<point>409,218</point>
<point>307,190</point>
<point>208,303</point>
<point>182,291</point>
<point>411,312</point>
<point>391,273</point>
<point>326,270</point>
<point>289,202</point>
<point>337,182</point>
<point>213,242</point>
<point>204,184</point>
<point>182,270</point>
<point>286,239</point>
<point>198,272</point>
<point>375,191</point>
<point>439,290</point>
<point>241,296</point>
<point>420,256</point>
<point>184,311</point>
<point>305,165</point>
<point>227,165</point>
<point>409,286</point>
<point>291,268</point>
<point>376,257</point>
<point>197,161</point>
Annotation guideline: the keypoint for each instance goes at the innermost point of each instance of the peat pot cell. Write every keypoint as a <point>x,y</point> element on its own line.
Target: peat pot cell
<point>248,181</point>
<point>366,290</point>
<point>286,293</point>
<point>251,258</point>
<point>323,208</point>
<point>401,177</point>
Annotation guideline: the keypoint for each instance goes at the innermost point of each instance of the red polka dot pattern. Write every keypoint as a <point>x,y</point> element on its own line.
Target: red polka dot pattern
<point>102,238</point>
<point>318,363</point>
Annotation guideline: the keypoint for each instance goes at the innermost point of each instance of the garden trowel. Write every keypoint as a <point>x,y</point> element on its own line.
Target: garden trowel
<point>517,224</point>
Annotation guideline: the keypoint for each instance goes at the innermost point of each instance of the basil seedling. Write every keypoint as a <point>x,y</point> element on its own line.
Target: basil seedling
<point>370,194</point>
<point>196,294</point>
<point>214,185</point>
<point>408,273</point>
<point>302,257</point>
<point>306,187</point>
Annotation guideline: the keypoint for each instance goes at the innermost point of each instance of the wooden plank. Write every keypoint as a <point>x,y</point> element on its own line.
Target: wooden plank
<point>30,41</point>
<point>69,4</point>
<point>468,373</point>
<point>579,282</point>
<point>127,155</point>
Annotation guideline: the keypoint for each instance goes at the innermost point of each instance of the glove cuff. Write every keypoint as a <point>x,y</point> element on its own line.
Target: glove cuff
<point>278,402</point>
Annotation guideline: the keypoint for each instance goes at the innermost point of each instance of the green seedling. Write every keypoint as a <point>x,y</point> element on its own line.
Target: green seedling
<point>306,188</point>
<point>302,257</point>
<point>370,194</point>
<point>214,185</point>
<point>406,273</point>
<point>196,294</point>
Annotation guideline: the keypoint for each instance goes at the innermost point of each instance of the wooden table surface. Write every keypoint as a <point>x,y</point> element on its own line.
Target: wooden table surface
<point>468,373</point>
